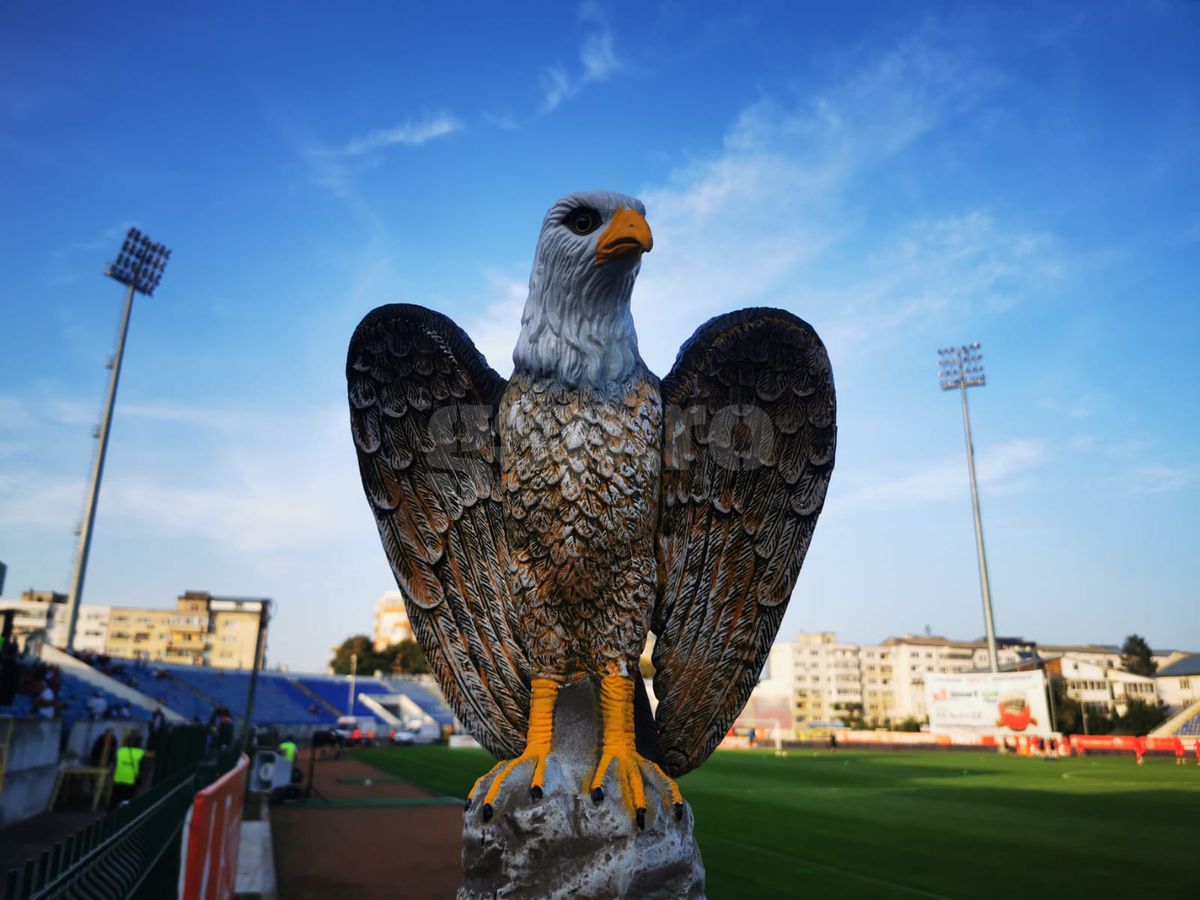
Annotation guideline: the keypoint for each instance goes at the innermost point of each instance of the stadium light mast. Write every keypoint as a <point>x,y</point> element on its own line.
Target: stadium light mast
<point>960,368</point>
<point>139,266</point>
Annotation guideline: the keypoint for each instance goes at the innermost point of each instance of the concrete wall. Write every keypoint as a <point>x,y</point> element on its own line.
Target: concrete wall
<point>84,733</point>
<point>32,766</point>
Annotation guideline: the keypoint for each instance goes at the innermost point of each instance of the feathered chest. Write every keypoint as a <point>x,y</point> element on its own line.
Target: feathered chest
<point>581,464</point>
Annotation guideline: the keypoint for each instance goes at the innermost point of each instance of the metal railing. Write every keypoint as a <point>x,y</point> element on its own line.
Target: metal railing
<point>133,852</point>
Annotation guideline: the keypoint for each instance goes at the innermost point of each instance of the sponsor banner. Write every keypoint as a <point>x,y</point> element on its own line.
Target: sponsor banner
<point>908,738</point>
<point>1129,742</point>
<point>998,703</point>
<point>212,836</point>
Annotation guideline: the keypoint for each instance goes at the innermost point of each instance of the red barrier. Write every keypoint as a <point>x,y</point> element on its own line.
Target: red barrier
<point>212,836</point>
<point>1126,742</point>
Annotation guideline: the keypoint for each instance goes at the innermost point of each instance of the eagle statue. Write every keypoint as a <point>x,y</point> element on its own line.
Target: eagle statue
<point>539,527</point>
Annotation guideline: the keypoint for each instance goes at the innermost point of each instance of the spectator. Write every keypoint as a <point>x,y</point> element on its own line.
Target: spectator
<point>225,729</point>
<point>157,719</point>
<point>97,705</point>
<point>45,704</point>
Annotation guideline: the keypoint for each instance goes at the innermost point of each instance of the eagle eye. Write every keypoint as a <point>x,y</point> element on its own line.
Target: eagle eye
<point>582,220</point>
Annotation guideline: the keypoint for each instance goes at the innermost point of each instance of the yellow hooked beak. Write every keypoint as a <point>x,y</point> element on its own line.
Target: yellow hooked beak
<point>626,233</point>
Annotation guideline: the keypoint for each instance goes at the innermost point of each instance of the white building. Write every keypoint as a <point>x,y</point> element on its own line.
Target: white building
<point>1102,688</point>
<point>38,611</point>
<point>91,628</point>
<point>1178,683</point>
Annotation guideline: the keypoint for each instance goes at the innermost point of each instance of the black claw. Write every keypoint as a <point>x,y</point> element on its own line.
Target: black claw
<point>487,812</point>
<point>641,819</point>
<point>678,811</point>
<point>597,794</point>
<point>535,792</point>
<point>467,806</point>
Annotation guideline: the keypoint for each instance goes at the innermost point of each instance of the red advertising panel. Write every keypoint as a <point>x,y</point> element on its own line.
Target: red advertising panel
<point>212,836</point>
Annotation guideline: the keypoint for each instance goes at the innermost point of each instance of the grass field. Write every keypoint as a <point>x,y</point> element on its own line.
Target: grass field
<point>863,824</point>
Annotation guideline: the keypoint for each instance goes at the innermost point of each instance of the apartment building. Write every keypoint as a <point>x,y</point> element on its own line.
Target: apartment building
<point>202,630</point>
<point>391,620</point>
<point>139,632</point>
<point>875,684</point>
<point>233,631</point>
<point>826,678</point>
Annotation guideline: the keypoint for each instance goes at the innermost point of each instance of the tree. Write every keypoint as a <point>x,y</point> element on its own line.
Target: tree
<point>1068,712</point>
<point>369,660</point>
<point>1135,656</point>
<point>407,658</point>
<point>1140,718</point>
<point>851,714</point>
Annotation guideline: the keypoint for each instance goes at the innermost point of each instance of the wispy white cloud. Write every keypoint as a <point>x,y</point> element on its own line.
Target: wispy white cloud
<point>1003,468</point>
<point>30,499</point>
<point>778,217</point>
<point>412,133</point>
<point>1159,478</point>
<point>598,62</point>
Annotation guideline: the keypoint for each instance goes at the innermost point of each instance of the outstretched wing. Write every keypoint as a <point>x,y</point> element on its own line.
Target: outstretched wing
<point>422,411</point>
<point>748,449</point>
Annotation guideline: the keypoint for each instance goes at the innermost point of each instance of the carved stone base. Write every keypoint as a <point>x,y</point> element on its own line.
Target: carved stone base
<point>565,845</point>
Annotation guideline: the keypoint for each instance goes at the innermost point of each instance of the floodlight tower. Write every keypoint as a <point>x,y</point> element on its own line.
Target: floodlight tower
<point>139,266</point>
<point>960,368</point>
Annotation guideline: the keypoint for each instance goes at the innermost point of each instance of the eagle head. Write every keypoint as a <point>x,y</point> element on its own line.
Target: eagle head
<point>577,325</point>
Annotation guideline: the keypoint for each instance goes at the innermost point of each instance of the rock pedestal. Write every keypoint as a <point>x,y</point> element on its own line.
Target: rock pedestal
<point>566,845</point>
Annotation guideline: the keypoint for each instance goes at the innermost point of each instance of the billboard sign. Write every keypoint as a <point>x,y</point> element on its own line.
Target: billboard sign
<point>212,836</point>
<point>999,703</point>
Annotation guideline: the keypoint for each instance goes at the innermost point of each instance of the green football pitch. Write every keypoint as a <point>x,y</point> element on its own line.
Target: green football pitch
<point>926,824</point>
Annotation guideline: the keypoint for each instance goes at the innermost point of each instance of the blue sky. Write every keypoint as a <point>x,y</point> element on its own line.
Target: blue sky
<point>901,176</point>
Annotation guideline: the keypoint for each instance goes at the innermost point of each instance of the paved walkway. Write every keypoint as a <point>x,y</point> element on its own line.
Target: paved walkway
<point>373,838</point>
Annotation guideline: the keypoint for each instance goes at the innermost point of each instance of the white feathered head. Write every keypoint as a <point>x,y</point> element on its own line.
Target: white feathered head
<point>577,324</point>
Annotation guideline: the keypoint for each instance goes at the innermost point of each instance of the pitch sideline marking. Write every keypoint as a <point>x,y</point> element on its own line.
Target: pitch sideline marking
<point>840,871</point>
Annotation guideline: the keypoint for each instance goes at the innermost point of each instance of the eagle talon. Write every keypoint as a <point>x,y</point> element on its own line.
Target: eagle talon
<point>535,792</point>
<point>467,805</point>
<point>597,794</point>
<point>641,818</point>
<point>487,812</point>
<point>678,812</point>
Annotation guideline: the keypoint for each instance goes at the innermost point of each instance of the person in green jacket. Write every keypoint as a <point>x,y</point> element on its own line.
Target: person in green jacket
<point>288,746</point>
<point>128,768</point>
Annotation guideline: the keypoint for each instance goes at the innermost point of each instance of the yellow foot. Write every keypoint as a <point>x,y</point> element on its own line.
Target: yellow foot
<point>616,707</point>
<point>537,748</point>
<point>505,768</point>
<point>632,772</point>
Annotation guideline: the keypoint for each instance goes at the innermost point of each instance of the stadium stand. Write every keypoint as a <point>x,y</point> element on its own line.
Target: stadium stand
<point>1191,727</point>
<point>430,703</point>
<point>336,691</point>
<point>74,694</point>
<point>195,693</point>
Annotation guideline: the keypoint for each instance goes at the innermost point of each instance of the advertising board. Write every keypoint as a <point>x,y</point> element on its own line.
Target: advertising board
<point>212,836</point>
<point>999,703</point>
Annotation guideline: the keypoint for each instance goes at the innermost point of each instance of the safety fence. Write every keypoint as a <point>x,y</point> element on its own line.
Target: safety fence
<point>134,851</point>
